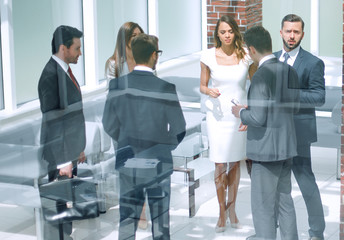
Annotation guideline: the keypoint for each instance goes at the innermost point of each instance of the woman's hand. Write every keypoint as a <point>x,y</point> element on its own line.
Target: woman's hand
<point>214,92</point>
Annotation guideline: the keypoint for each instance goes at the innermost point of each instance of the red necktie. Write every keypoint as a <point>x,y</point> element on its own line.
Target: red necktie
<point>73,78</point>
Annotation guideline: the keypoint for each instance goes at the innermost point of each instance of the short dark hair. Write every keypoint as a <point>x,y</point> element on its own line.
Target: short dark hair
<point>143,46</point>
<point>259,38</point>
<point>292,18</point>
<point>64,35</point>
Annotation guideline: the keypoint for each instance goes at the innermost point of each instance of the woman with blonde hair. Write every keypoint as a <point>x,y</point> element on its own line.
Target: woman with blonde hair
<point>226,65</point>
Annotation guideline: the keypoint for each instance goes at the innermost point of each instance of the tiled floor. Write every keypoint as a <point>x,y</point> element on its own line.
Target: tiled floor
<point>17,223</point>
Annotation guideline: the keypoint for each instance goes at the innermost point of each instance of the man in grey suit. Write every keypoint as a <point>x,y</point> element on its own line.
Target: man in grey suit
<point>143,115</point>
<point>273,98</point>
<point>310,70</point>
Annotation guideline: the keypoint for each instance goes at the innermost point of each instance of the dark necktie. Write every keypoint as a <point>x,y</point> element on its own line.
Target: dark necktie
<point>73,78</point>
<point>286,57</point>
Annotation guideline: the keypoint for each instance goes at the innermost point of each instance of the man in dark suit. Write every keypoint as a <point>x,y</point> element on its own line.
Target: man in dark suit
<point>271,140</point>
<point>310,70</point>
<point>63,123</point>
<point>143,115</point>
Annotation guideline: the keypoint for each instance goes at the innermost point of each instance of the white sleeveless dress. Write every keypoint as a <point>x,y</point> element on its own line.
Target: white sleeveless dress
<point>226,143</point>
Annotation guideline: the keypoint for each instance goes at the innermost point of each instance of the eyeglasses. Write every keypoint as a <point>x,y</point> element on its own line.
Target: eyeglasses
<point>159,52</point>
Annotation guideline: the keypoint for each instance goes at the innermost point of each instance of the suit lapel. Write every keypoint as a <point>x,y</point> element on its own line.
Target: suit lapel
<point>298,59</point>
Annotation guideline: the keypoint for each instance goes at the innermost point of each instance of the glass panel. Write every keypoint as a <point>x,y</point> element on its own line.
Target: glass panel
<point>273,13</point>
<point>330,37</point>
<point>1,82</point>
<point>179,27</point>
<point>34,22</point>
<point>110,16</point>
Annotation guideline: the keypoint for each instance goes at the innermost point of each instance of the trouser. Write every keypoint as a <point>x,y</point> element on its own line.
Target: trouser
<point>302,169</point>
<point>271,186</point>
<point>133,191</point>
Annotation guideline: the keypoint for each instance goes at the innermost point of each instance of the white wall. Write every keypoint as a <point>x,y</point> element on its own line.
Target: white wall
<point>273,13</point>
<point>330,29</point>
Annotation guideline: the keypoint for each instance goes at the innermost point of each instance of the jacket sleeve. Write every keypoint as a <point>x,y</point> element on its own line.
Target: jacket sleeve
<point>110,121</point>
<point>314,94</point>
<point>176,120</point>
<point>256,113</point>
<point>48,93</point>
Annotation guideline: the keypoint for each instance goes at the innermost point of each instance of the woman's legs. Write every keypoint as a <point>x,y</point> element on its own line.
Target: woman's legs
<point>143,223</point>
<point>233,179</point>
<point>221,185</point>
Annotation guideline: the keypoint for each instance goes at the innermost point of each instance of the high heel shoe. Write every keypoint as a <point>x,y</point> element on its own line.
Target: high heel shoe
<point>220,229</point>
<point>143,224</point>
<point>233,225</point>
<point>236,225</point>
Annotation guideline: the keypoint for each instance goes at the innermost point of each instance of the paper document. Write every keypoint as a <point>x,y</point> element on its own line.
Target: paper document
<point>141,163</point>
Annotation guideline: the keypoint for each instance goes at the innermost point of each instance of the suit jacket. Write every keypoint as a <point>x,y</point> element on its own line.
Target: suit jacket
<point>273,98</point>
<point>310,71</point>
<point>142,113</point>
<point>63,123</point>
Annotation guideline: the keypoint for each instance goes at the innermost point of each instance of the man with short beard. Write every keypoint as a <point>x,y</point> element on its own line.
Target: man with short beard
<point>310,70</point>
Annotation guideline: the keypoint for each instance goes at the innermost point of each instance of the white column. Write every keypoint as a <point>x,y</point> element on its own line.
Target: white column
<point>7,50</point>
<point>90,43</point>
<point>204,21</point>
<point>314,48</point>
<point>153,18</point>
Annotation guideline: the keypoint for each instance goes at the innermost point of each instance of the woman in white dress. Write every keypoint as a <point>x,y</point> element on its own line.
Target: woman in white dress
<point>227,66</point>
<point>121,63</point>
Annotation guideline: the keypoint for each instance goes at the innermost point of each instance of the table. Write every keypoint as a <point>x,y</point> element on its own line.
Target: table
<point>191,148</point>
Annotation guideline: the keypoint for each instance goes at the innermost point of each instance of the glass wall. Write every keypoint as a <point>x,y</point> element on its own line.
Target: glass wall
<point>274,11</point>
<point>31,24</point>
<point>1,82</point>
<point>330,28</point>
<point>179,24</point>
<point>330,23</point>
<point>34,22</point>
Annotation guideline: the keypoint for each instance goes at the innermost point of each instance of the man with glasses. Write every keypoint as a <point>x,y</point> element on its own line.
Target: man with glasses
<point>143,115</point>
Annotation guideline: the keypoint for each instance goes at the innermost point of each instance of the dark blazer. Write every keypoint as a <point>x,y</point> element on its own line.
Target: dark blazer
<point>63,123</point>
<point>273,98</point>
<point>142,113</point>
<point>310,71</point>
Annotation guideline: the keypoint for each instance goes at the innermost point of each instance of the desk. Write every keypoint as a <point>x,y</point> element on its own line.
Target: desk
<point>191,148</point>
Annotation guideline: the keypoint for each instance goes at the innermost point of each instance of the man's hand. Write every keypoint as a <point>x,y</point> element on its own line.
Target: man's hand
<point>67,170</point>
<point>236,110</point>
<point>82,157</point>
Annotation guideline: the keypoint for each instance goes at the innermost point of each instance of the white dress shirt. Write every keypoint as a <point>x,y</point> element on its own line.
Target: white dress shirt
<point>143,68</point>
<point>292,55</point>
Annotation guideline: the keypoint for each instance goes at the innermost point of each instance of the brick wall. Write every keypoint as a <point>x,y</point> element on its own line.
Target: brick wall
<point>341,231</point>
<point>248,13</point>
